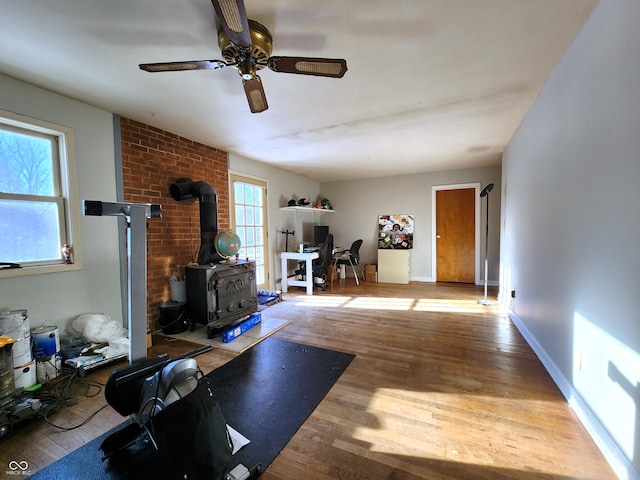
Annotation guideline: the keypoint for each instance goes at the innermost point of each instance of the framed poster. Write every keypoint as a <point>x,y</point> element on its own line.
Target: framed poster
<point>395,232</point>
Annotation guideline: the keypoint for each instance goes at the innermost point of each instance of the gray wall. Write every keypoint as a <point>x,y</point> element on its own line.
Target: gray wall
<point>571,216</point>
<point>358,203</point>
<point>60,297</point>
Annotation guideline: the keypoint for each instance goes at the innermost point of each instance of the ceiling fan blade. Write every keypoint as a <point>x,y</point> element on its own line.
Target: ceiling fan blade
<point>321,67</point>
<point>255,94</point>
<point>179,66</point>
<point>233,18</point>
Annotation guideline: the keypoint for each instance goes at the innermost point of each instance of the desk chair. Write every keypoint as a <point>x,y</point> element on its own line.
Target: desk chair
<point>350,257</point>
<point>320,265</point>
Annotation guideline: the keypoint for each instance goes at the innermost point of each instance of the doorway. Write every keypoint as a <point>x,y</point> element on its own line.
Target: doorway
<point>249,220</point>
<point>456,231</point>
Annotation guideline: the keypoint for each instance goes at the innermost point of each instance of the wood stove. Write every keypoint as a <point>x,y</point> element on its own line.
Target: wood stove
<point>219,291</point>
<point>219,295</point>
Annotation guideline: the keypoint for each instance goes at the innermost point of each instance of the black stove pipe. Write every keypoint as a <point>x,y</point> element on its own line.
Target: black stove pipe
<point>185,190</point>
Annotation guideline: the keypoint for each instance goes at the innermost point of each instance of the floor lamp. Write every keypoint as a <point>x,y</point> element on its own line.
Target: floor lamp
<point>485,193</point>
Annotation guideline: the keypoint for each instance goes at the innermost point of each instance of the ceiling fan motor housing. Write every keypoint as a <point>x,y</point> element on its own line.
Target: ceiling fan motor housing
<point>261,47</point>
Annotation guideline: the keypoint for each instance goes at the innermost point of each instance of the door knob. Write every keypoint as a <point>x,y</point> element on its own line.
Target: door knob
<point>438,236</point>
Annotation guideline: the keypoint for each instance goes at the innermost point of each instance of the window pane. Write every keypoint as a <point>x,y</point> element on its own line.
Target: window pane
<point>248,195</point>
<point>240,231</point>
<point>30,231</point>
<point>26,164</point>
<point>258,217</point>
<point>259,255</point>
<point>251,238</point>
<point>238,190</point>
<point>250,215</point>
<point>257,196</point>
<point>240,215</point>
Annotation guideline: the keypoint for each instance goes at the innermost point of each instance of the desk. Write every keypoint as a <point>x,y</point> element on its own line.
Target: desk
<point>286,281</point>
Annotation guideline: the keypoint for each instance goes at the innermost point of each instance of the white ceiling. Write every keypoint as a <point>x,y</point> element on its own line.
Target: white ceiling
<point>432,84</point>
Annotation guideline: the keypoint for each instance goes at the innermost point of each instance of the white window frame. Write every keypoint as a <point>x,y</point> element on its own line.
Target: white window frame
<point>262,183</point>
<point>68,195</point>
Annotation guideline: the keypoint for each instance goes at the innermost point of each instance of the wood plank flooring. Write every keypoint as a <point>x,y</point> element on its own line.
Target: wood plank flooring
<point>441,388</point>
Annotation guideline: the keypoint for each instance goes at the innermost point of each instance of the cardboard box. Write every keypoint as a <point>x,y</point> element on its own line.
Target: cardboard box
<point>242,327</point>
<point>332,273</point>
<point>370,273</point>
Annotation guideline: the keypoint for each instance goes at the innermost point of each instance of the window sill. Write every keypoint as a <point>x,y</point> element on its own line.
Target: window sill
<point>23,271</point>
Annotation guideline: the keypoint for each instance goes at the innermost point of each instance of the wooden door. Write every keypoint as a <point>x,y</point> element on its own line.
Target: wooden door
<point>455,235</point>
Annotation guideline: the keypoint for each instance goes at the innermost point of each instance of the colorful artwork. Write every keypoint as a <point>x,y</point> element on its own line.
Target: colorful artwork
<point>395,232</point>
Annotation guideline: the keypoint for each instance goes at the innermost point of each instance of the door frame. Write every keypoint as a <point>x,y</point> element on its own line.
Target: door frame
<point>264,183</point>
<point>455,186</point>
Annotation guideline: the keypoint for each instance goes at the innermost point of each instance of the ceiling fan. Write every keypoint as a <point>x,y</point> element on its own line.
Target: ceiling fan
<point>246,45</point>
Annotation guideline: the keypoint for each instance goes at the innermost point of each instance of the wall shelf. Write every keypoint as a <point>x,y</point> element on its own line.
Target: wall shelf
<point>307,209</point>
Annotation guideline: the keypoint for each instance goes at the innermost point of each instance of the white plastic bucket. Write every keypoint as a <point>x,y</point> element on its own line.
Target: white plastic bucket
<point>178,290</point>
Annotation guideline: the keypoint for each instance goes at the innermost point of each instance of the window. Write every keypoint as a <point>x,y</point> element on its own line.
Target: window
<point>36,196</point>
<point>250,224</point>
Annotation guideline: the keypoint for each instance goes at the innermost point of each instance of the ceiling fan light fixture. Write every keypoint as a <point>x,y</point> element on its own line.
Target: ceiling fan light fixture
<point>247,69</point>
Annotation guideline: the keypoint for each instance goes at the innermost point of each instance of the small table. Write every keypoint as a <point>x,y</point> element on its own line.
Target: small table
<point>286,281</point>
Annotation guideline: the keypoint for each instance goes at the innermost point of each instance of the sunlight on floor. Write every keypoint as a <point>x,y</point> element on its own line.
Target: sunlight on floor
<point>386,303</point>
<point>376,303</point>
<point>449,305</point>
<point>432,436</point>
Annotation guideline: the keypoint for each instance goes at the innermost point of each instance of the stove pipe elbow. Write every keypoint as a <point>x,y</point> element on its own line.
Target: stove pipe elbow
<point>185,190</point>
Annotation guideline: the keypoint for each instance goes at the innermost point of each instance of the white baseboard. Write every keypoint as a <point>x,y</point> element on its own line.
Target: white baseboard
<point>491,283</point>
<point>619,463</point>
<point>422,279</point>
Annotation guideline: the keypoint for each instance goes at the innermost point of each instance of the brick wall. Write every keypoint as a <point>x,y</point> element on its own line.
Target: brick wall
<point>152,160</point>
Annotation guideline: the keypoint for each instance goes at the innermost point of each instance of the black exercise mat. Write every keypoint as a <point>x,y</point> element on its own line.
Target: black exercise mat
<point>266,394</point>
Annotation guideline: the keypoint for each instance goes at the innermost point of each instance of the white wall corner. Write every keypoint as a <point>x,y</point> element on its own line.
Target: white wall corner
<point>619,463</point>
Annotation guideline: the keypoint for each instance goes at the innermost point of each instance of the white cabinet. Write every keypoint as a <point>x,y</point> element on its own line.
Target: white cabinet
<point>393,266</point>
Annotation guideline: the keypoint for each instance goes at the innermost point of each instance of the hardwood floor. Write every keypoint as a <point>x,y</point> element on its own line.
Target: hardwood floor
<point>441,388</point>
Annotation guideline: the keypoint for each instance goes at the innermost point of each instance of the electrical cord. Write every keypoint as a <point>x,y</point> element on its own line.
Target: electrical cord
<point>58,393</point>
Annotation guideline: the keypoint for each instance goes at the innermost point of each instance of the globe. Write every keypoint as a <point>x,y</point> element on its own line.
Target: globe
<point>227,243</point>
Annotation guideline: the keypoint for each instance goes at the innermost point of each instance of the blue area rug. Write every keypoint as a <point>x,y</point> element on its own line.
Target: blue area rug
<point>268,297</point>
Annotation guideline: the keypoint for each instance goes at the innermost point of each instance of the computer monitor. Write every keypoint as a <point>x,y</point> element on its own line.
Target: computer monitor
<point>320,233</point>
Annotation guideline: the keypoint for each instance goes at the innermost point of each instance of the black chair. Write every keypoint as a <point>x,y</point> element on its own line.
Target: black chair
<point>320,266</point>
<point>167,403</point>
<point>350,257</point>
